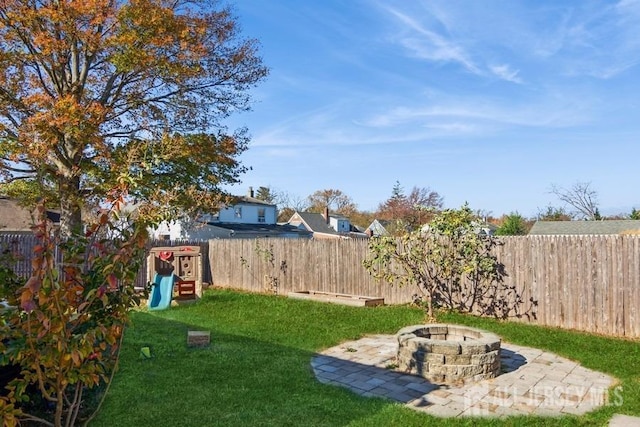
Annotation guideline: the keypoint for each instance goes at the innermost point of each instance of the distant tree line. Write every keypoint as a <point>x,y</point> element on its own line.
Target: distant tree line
<point>407,211</point>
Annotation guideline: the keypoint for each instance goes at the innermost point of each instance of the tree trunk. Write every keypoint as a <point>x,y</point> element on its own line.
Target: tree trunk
<point>70,206</point>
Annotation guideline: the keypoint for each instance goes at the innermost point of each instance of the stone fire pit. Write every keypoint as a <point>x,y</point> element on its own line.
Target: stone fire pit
<point>448,354</point>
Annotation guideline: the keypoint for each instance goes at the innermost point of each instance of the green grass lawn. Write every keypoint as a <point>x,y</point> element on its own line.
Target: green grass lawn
<point>256,372</point>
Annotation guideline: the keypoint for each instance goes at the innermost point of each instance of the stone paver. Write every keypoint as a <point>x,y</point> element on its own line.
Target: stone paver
<point>624,421</point>
<point>531,382</point>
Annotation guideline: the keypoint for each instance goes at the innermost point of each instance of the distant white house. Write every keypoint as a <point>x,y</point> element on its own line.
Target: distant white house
<point>247,217</point>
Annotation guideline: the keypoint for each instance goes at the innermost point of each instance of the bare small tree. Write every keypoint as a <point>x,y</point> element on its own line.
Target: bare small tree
<point>451,265</point>
<point>410,212</point>
<point>581,197</point>
<point>288,204</point>
<point>333,199</point>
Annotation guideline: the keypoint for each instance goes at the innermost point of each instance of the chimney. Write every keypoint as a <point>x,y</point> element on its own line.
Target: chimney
<point>250,192</point>
<point>325,214</point>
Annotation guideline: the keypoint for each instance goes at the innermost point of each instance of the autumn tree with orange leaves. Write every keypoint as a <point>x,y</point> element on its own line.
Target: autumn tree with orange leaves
<point>104,103</point>
<point>65,325</point>
<point>98,95</point>
<point>408,212</point>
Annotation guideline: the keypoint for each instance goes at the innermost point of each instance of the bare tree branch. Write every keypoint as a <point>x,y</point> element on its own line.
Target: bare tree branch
<point>580,197</point>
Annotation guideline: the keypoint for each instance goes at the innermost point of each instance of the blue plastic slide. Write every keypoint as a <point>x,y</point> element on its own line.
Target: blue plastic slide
<point>161,292</point>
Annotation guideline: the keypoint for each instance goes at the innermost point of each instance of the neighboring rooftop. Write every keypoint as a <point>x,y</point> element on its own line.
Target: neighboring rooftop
<point>314,222</point>
<point>623,226</point>
<point>249,200</point>
<point>237,230</point>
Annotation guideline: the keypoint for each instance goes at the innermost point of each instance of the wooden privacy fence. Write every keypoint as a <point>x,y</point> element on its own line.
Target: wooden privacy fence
<point>20,247</point>
<point>588,283</point>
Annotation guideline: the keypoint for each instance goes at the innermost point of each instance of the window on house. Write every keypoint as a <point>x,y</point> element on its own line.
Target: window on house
<point>238,212</point>
<point>261,215</point>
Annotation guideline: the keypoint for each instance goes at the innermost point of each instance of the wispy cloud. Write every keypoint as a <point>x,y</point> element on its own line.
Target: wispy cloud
<point>566,39</point>
<point>468,118</point>
<point>427,44</point>
<point>595,40</point>
<point>505,72</point>
<point>479,115</point>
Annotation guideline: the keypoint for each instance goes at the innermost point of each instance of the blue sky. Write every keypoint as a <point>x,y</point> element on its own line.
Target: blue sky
<point>485,102</point>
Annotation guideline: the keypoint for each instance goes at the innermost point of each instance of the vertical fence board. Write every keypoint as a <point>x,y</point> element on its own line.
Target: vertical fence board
<point>536,258</point>
<point>558,309</point>
<point>572,277</point>
<point>599,288</point>
<point>606,286</point>
<point>20,247</point>
<point>577,274</point>
<point>561,287</point>
<point>634,290</point>
<point>616,303</point>
<point>554,281</point>
<point>613,307</point>
<point>592,286</point>
<point>634,306</point>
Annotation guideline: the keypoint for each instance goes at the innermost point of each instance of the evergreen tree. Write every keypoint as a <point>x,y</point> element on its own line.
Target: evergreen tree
<point>512,225</point>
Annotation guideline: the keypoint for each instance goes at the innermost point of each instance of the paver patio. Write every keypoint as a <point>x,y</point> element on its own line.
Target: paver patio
<point>531,382</point>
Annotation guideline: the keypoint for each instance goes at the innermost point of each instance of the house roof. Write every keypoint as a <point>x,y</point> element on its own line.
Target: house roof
<point>378,227</point>
<point>16,218</point>
<point>317,224</point>
<point>314,222</point>
<point>486,227</point>
<point>238,230</point>
<point>584,227</point>
<point>246,200</point>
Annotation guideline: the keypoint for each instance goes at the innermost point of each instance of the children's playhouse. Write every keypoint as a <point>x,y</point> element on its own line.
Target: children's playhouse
<point>175,274</point>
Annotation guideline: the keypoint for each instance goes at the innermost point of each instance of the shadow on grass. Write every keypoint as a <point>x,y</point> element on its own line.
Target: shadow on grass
<point>236,380</point>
